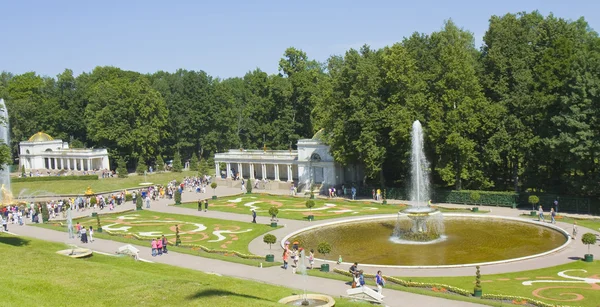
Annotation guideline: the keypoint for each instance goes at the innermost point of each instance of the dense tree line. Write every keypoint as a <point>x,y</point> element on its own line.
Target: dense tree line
<point>521,112</point>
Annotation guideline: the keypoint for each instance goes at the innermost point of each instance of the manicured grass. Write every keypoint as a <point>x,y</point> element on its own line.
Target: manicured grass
<point>100,280</point>
<point>553,293</point>
<point>98,186</point>
<point>146,225</point>
<point>294,208</point>
<point>593,223</point>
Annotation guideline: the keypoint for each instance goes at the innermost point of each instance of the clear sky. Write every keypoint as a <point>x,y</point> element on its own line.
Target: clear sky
<point>229,38</point>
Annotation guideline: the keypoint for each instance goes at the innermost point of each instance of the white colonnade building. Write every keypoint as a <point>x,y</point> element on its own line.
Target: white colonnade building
<point>42,152</point>
<point>310,164</point>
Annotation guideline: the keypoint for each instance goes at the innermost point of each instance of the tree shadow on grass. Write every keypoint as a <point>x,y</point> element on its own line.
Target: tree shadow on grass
<point>215,292</point>
<point>14,241</point>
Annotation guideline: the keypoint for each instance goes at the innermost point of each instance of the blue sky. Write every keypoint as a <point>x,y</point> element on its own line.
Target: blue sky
<point>229,38</point>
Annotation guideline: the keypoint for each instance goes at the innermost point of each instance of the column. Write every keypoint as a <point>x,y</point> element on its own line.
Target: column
<point>276,172</point>
<point>89,163</point>
<point>54,166</point>
<point>264,171</point>
<point>228,170</point>
<point>217,170</point>
<point>251,170</point>
<point>289,171</point>
<point>81,164</point>
<point>240,170</point>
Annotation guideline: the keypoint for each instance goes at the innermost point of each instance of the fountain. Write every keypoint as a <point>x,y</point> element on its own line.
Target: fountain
<point>419,223</point>
<point>307,299</point>
<point>5,172</point>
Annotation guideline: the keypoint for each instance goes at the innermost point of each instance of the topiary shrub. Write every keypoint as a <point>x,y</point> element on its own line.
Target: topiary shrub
<point>477,282</point>
<point>533,200</point>
<point>324,248</point>
<point>177,197</point>
<point>475,197</point>
<point>177,238</point>
<point>588,239</point>
<point>249,186</point>
<point>122,168</point>
<point>139,203</point>
<point>141,167</point>
<point>273,211</point>
<point>93,201</point>
<point>177,166</point>
<point>269,239</point>
<point>310,204</point>
<point>128,197</point>
<point>194,163</point>
<point>45,213</point>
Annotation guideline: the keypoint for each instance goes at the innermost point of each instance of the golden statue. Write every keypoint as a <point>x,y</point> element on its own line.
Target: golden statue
<point>89,191</point>
<point>7,197</point>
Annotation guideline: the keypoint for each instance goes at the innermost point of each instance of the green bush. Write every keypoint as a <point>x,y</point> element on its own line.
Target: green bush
<point>128,197</point>
<point>55,178</point>
<point>194,163</point>
<point>310,204</point>
<point>588,239</point>
<point>122,168</point>
<point>160,163</point>
<point>93,201</point>
<point>269,239</point>
<point>477,279</point>
<point>141,167</point>
<point>533,200</point>
<point>213,185</point>
<point>177,166</point>
<point>45,213</point>
<point>489,198</point>
<point>177,197</point>
<point>475,196</point>
<point>138,203</point>
<point>249,186</point>
<point>273,211</point>
<point>324,248</point>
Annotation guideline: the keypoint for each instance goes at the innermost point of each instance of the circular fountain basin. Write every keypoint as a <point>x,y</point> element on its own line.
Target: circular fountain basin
<point>468,240</point>
<point>76,252</point>
<point>312,299</point>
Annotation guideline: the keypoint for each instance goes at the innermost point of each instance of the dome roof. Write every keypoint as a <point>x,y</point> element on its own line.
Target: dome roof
<point>40,137</point>
<point>319,135</point>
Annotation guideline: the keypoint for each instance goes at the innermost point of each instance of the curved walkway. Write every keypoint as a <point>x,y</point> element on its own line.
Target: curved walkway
<point>277,276</point>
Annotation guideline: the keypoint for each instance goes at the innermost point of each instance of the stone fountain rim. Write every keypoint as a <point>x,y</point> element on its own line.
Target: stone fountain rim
<point>329,301</point>
<point>388,216</point>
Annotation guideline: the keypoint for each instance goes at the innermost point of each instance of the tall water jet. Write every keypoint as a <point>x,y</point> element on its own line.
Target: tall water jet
<point>5,172</point>
<point>418,223</point>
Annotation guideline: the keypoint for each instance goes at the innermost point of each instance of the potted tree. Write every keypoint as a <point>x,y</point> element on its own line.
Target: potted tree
<point>249,186</point>
<point>273,211</point>
<point>384,197</point>
<point>138,203</point>
<point>475,196</point>
<point>214,187</point>
<point>177,197</point>
<point>177,238</point>
<point>588,239</point>
<point>477,291</point>
<point>310,204</point>
<point>324,248</point>
<point>533,200</point>
<point>45,213</point>
<point>270,239</point>
<point>99,227</point>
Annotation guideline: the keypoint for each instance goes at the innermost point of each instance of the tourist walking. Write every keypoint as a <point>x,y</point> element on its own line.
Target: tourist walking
<point>84,238</point>
<point>574,230</point>
<point>553,215</point>
<point>253,216</point>
<point>4,225</point>
<point>379,281</point>
<point>91,234</point>
<point>164,244</point>
<point>153,245</point>
<point>311,258</point>
<point>541,214</point>
<point>205,205</point>
<point>159,246</point>
<point>199,205</point>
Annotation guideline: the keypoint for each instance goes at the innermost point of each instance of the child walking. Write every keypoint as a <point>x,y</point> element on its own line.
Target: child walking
<point>159,246</point>
<point>153,245</point>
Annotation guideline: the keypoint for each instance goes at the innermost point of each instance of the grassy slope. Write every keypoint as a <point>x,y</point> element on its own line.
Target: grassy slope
<point>100,185</point>
<point>37,276</point>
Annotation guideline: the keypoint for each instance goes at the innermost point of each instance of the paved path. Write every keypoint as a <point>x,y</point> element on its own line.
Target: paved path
<point>277,276</point>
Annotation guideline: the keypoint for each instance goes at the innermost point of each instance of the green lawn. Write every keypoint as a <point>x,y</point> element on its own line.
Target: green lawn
<point>593,223</point>
<point>143,226</point>
<point>294,208</point>
<point>98,186</point>
<point>567,293</point>
<point>100,280</point>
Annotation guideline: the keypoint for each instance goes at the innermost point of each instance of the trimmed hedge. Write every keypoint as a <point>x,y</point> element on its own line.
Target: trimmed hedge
<point>502,199</point>
<point>54,178</point>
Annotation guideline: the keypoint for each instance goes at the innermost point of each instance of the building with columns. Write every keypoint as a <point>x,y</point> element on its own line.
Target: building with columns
<point>42,152</point>
<point>311,163</point>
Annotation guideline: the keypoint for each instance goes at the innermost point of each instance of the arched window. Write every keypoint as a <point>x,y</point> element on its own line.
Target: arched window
<point>48,149</point>
<point>315,157</point>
